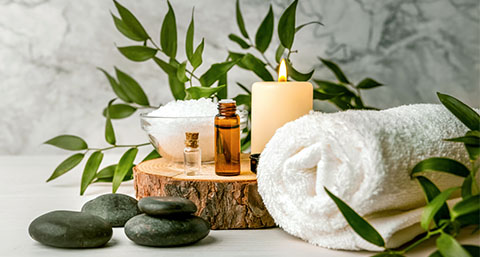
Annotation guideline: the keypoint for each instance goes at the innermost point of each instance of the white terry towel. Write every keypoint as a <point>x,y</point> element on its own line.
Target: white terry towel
<point>363,157</point>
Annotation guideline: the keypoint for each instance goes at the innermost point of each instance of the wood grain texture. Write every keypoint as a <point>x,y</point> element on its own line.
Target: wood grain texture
<point>226,202</point>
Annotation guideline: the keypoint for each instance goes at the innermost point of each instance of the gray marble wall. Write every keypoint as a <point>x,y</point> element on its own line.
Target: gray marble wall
<point>49,51</point>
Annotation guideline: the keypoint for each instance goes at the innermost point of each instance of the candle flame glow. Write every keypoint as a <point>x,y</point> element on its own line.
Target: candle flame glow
<point>282,71</point>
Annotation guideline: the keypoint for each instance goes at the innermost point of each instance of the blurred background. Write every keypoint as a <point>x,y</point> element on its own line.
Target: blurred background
<point>50,51</point>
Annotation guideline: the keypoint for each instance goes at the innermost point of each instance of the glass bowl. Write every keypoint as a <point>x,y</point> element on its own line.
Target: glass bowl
<point>167,134</point>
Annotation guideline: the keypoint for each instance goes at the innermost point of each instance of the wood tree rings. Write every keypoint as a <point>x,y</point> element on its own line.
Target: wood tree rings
<point>226,202</point>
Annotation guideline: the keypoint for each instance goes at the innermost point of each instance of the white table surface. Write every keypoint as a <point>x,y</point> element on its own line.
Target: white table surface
<point>24,195</point>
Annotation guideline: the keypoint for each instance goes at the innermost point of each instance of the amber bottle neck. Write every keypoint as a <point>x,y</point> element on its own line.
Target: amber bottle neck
<point>227,109</point>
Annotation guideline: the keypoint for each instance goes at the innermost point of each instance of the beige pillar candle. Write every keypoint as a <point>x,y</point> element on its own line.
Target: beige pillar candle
<point>276,103</point>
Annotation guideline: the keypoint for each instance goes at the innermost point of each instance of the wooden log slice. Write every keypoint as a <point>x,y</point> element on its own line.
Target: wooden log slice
<point>226,202</point>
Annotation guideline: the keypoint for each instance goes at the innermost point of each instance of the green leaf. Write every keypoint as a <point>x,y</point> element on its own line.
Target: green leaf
<point>130,22</point>
<point>449,247</point>
<point>257,66</point>
<point>181,72</point>
<point>279,53</point>
<point>68,164</point>
<point>197,56</point>
<point>473,151</point>
<point>336,70</point>
<point>122,27</point>
<point>166,67</point>
<point>286,26</point>
<point>359,103</point>
<point>434,206</point>
<point>119,111</point>
<point>122,168</point>
<point>132,88</point>
<point>238,58</point>
<point>138,53</point>
<point>215,72</point>
<point>246,142</point>
<point>330,88</point>
<point>176,86</point>
<point>368,83</point>
<point>265,32</point>
<point>343,101</point>
<point>109,132</point>
<point>468,205</point>
<point>68,142</point>
<point>468,219</point>
<point>90,170</point>
<point>240,23</point>
<point>471,138</point>
<point>358,224</point>
<point>431,191</point>
<point>239,41</point>
<point>116,87</point>
<point>442,165</point>
<point>465,114</point>
<point>202,92</point>
<point>474,250</point>
<point>244,88</point>
<point>467,187</point>
<point>168,33</point>
<point>152,155</point>
<point>245,100</point>
<point>106,172</point>
<point>223,92</point>
<point>296,75</point>
<point>320,95</point>
<point>189,39</point>
<point>297,29</point>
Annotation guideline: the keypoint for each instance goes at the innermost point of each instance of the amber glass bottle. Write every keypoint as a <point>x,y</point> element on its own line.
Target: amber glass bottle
<point>227,139</point>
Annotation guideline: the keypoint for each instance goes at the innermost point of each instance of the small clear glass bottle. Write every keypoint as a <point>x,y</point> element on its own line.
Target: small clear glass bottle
<point>192,154</point>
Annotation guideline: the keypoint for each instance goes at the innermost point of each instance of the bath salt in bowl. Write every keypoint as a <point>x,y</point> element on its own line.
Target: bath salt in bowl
<point>167,125</point>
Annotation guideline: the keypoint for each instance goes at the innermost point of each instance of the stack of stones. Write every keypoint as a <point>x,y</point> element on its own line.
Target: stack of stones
<point>168,221</point>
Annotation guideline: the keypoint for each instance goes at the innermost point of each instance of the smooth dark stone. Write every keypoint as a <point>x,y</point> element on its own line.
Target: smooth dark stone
<point>69,229</point>
<point>166,205</point>
<point>114,208</point>
<point>162,231</point>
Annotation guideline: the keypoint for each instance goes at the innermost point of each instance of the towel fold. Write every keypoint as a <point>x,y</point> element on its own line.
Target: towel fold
<point>363,157</point>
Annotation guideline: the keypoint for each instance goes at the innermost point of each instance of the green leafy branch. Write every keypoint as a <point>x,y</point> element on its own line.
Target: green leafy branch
<point>437,219</point>
<point>342,93</point>
<point>115,174</point>
<point>185,82</point>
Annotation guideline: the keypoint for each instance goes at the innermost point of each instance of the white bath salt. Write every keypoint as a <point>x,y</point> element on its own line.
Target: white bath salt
<point>167,125</point>
<point>187,108</point>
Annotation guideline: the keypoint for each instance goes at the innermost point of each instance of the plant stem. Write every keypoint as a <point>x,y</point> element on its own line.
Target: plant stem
<point>160,50</point>
<point>474,181</point>
<point>421,240</point>
<point>291,52</point>
<point>116,146</point>
<point>262,54</point>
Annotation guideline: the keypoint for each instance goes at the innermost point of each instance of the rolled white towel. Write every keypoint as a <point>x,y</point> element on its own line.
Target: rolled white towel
<point>363,157</point>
